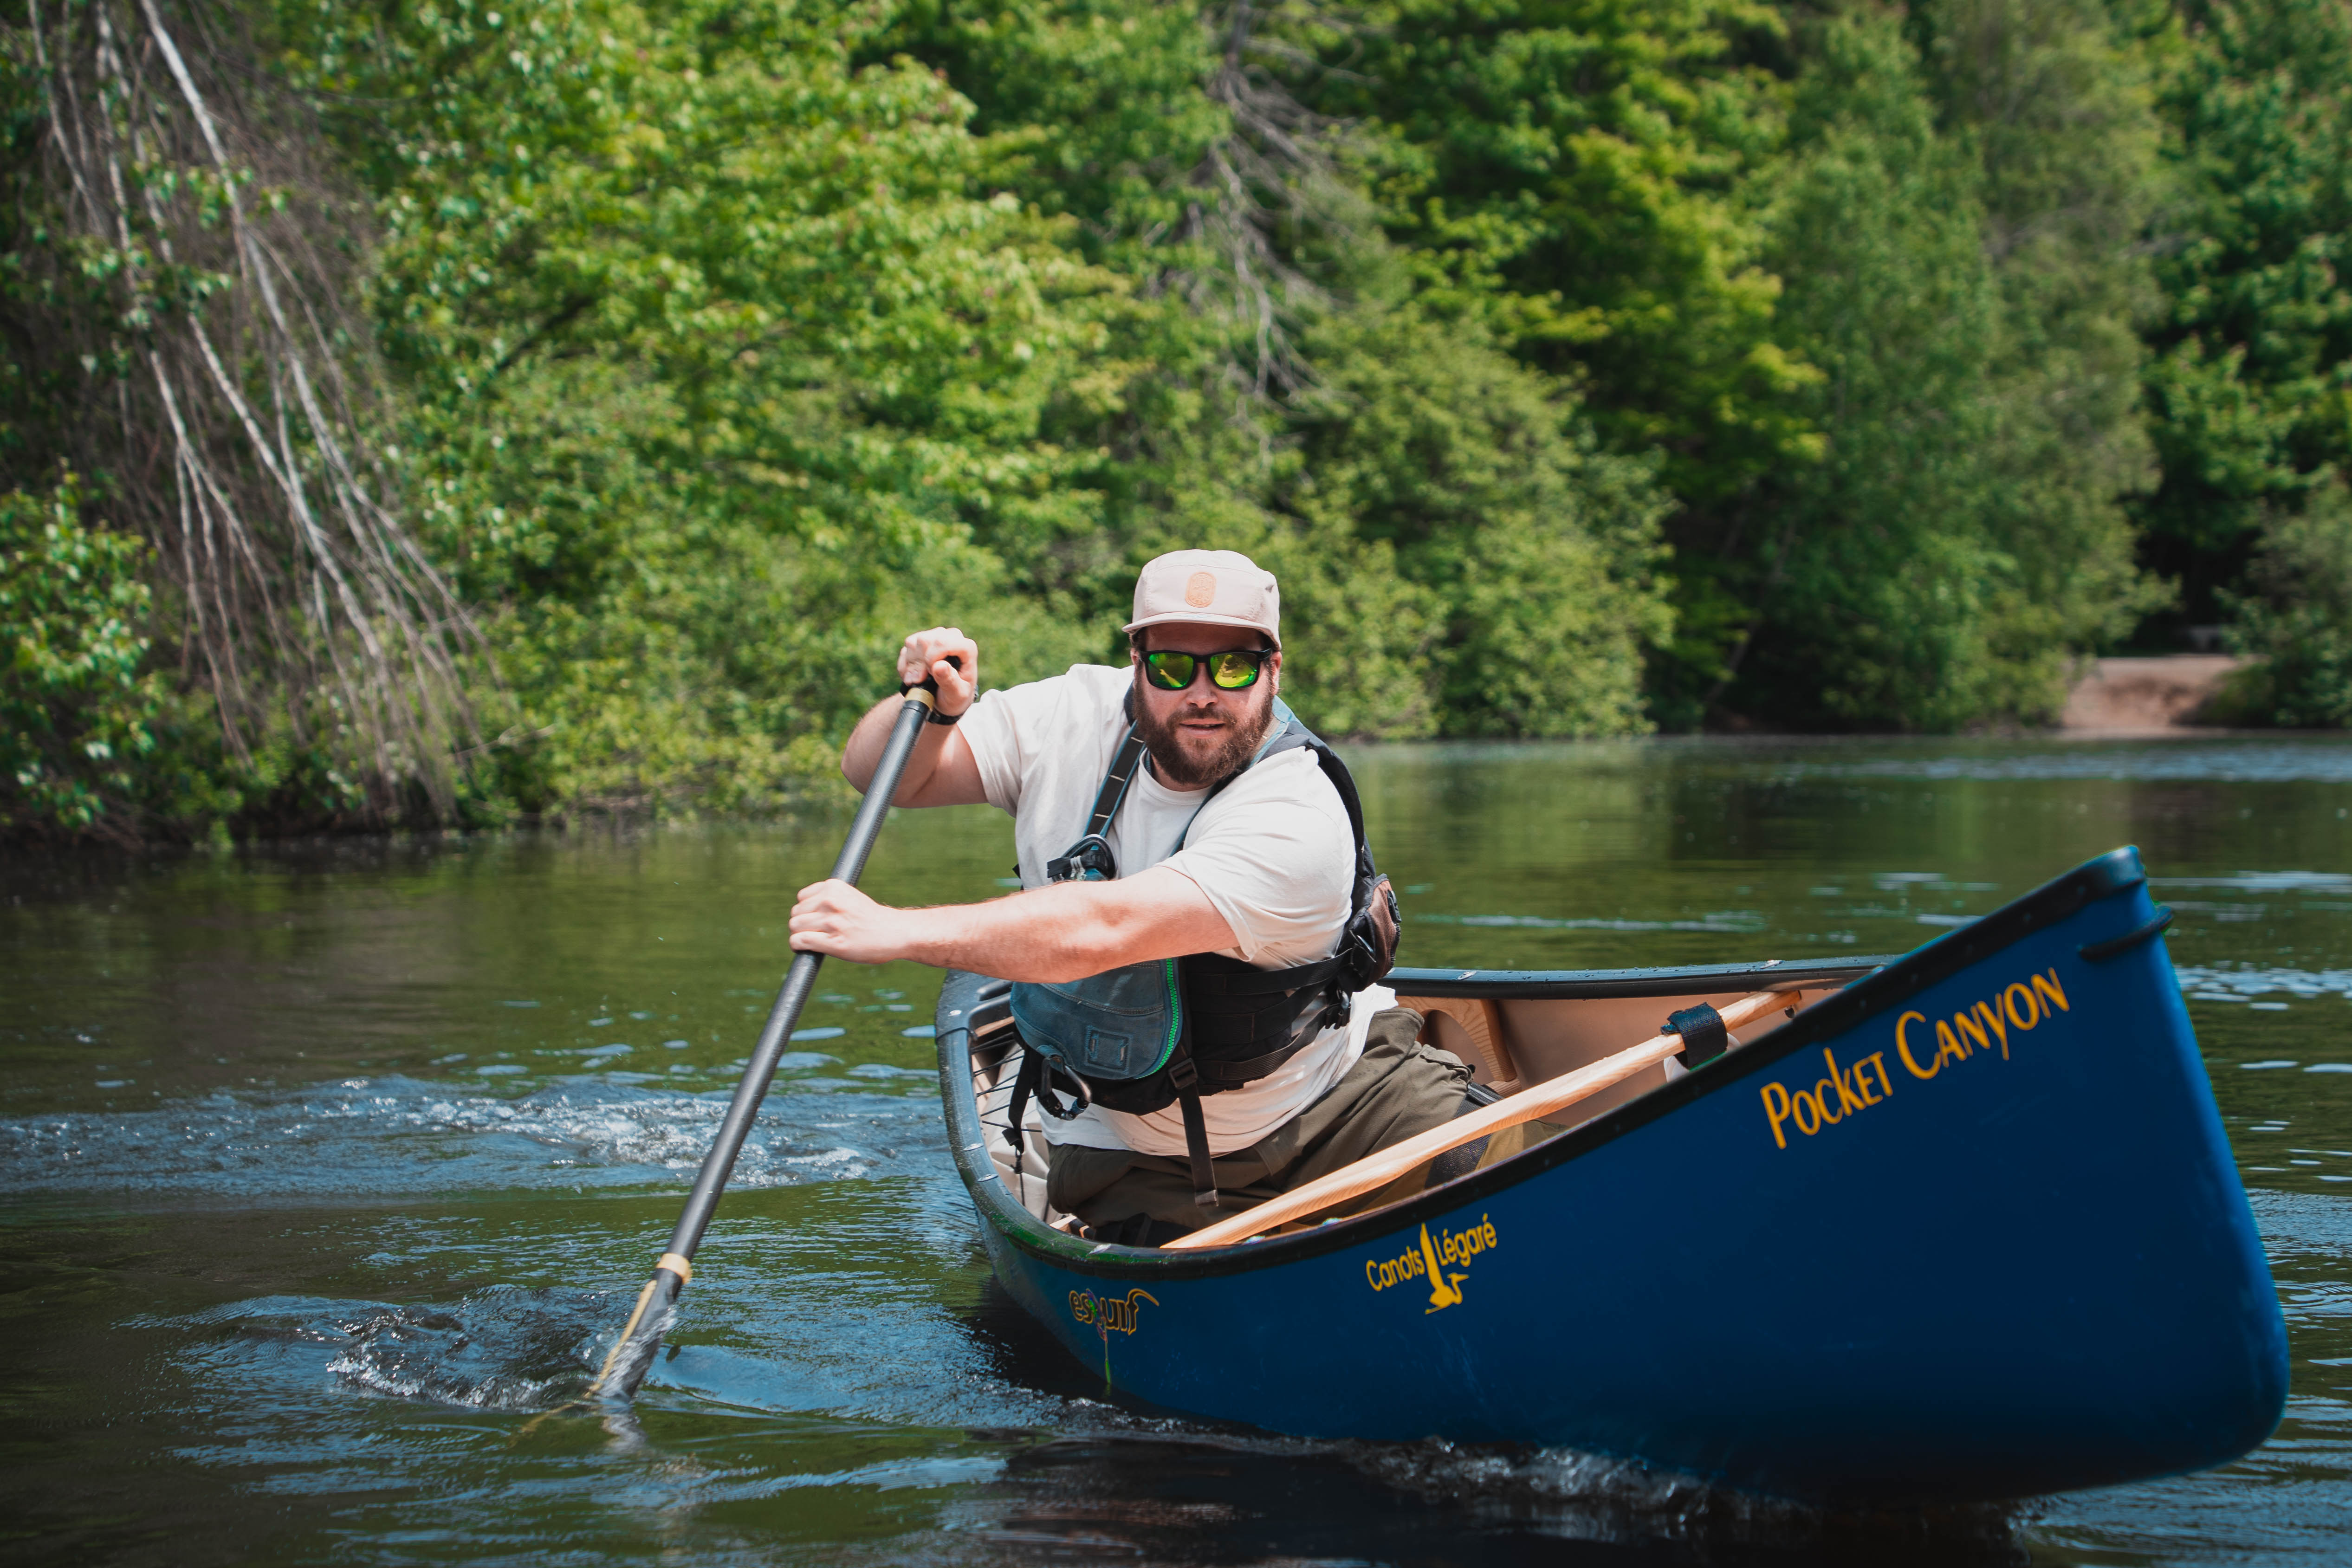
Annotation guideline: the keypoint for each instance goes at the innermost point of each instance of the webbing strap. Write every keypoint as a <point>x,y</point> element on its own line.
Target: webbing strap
<point>1024,1084</point>
<point>1090,857</point>
<point>1123,767</point>
<point>1196,1149</point>
<point>1185,1076</point>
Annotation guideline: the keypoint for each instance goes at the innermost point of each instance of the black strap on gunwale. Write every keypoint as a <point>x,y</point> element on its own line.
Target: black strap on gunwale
<point>1703,1036</point>
<point>2100,952</point>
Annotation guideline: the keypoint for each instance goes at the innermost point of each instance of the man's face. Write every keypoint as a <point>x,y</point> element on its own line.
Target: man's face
<point>1204,733</point>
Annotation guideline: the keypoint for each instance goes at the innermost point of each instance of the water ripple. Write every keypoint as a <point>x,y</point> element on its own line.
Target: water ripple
<point>395,1135</point>
<point>1738,921</point>
<point>2241,982</point>
<point>2257,763</point>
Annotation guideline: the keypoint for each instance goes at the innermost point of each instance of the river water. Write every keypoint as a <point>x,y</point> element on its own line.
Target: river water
<point>322,1167</point>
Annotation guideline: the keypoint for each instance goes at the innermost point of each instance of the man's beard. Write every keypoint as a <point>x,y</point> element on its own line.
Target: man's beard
<point>1176,767</point>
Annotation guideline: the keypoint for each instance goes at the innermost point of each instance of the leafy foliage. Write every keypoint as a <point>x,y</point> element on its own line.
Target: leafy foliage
<point>717,352</point>
<point>2250,386</point>
<point>79,716</point>
<point>1580,365</point>
<point>1573,176</point>
<point>2297,618</point>
<point>183,330</point>
<point>1969,299</point>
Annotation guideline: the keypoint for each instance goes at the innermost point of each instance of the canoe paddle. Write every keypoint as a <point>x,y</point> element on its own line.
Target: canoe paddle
<point>632,1352</point>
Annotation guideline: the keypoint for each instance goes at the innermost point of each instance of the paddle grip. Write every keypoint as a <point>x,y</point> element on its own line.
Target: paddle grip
<point>931,683</point>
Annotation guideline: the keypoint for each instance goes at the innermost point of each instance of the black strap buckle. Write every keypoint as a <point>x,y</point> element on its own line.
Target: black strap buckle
<point>1081,1097</point>
<point>1088,860</point>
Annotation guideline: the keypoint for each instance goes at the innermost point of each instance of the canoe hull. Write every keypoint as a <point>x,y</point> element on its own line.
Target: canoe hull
<point>1885,1261</point>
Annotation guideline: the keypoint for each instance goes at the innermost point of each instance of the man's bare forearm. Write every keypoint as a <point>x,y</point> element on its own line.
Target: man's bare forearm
<point>1046,935</point>
<point>863,754</point>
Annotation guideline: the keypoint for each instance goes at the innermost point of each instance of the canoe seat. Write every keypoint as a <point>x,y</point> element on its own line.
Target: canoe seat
<point>1472,1029</point>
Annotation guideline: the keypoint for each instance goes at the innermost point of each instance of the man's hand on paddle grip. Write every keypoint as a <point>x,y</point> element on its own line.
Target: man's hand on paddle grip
<point>924,657</point>
<point>941,771</point>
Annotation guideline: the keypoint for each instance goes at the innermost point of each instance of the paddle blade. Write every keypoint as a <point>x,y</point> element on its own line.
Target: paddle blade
<point>631,1356</point>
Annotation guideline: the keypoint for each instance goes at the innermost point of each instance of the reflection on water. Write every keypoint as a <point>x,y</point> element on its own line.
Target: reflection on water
<point>325,1164</point>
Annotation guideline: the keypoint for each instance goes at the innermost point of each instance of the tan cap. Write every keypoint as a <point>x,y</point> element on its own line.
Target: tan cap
<point>1215,587</point>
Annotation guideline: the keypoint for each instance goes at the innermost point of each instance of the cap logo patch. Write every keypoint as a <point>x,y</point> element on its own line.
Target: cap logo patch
<point>1201,590</point>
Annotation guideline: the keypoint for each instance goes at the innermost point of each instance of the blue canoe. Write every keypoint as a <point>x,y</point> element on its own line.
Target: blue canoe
<point>1964,1228</point>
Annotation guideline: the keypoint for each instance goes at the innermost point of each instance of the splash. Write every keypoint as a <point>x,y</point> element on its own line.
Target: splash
<point>506,1348</point>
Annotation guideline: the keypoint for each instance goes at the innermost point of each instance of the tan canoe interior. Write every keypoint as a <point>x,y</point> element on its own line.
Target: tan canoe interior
<point>1509,1042</point>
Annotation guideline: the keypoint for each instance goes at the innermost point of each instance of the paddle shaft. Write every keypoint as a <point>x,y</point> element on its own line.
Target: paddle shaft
<point>1530,1104</point>
<point>633,1353</point>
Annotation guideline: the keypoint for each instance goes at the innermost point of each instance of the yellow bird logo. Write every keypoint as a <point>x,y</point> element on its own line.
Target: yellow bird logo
<point>1445,1288</point>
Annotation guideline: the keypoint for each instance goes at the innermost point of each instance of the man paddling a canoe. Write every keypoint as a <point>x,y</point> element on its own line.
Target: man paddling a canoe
<point>1199,935</point>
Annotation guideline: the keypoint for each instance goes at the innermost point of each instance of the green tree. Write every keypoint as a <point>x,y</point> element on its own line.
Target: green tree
<point>77,710</point>
<point>2296,617</point>
<point>177,300</point>
<point>1866,577</point>
<point>2055,99</point>
<point>719,351</point>
<point>1572,174</point>
<point>1958,247</point>
<point>1455,555</point>
<point>2249,382</point>
<point>1534,552</point>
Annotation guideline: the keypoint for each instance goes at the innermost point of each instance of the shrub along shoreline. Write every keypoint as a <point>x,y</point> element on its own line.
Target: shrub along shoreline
<point>470,414</point>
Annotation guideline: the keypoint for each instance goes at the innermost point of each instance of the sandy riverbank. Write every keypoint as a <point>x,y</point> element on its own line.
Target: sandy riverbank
<point>2157,696</point>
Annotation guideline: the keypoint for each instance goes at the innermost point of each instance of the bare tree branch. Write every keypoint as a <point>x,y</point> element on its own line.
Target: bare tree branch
<point>236,431</point>
<point>1276,170</point>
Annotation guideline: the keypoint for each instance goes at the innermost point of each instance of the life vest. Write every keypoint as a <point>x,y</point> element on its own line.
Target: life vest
<point>1145,1035</point>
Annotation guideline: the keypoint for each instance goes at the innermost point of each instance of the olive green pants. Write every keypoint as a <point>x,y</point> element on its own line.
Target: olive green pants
<point>1399,1087</point>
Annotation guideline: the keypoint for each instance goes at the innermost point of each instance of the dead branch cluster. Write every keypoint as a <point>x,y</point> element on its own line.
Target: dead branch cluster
<point>209,266</point>
<point>1272,179</point>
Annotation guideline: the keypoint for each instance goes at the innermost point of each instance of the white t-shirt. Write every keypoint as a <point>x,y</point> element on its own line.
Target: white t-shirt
<point>1271,852</point>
